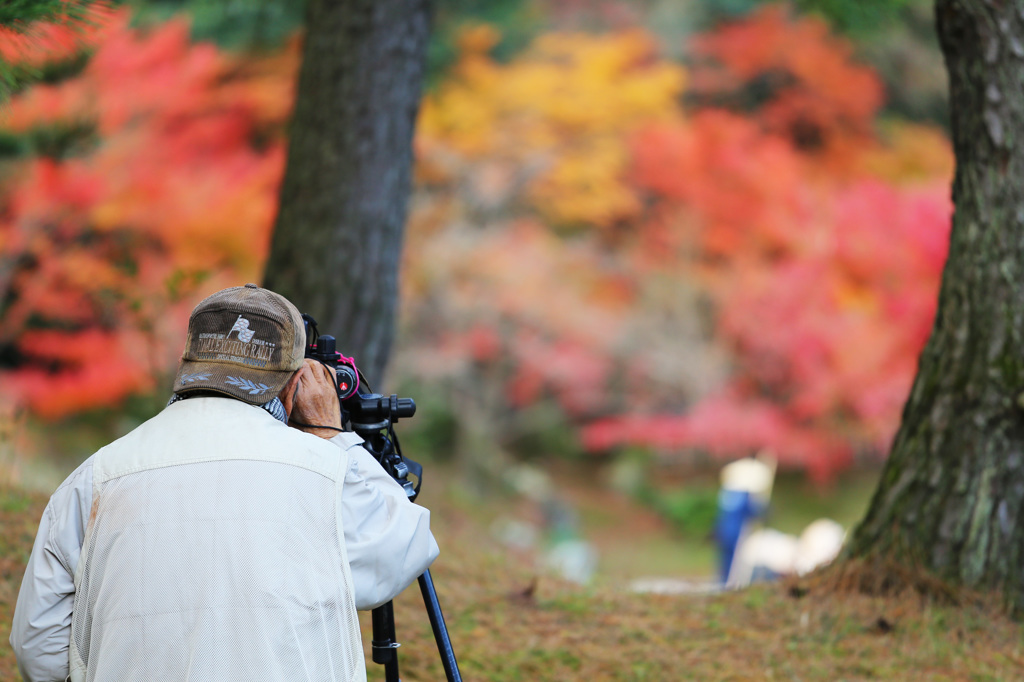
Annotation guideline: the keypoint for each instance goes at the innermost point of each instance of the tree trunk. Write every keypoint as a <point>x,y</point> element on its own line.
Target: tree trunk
<point>338,238</point>
<point>951,498</point>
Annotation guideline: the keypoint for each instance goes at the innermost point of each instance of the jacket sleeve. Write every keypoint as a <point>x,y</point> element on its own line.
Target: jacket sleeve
<point>41,630</point>
<point>387,538</point>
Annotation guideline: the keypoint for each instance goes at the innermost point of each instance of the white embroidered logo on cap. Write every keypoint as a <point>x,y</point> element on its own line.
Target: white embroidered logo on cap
<point>252,387</point>
<point>242,327</point>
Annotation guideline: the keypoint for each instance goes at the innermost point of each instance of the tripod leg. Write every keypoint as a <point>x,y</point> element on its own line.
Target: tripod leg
<point>444,645</point>
<point>384,645</point>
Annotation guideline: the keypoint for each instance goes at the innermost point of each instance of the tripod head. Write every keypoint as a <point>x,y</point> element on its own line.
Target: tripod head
<point>380,440</point>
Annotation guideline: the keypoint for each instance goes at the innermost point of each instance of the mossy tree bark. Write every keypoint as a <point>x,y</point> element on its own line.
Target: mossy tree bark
<point>951,498</point>
<point>338,238</point>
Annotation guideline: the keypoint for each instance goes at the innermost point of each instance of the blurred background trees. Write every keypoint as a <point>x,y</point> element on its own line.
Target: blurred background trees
<point>754,272</point>
<point>661,232</point>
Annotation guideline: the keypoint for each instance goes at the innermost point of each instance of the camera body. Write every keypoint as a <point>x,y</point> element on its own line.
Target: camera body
<point>363,410</point>
<point>324,349</point>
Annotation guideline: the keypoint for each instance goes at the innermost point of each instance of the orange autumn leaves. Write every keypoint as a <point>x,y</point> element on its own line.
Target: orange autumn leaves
<point>560,115</point>
<point>40,43</point>
<point>817,96</point>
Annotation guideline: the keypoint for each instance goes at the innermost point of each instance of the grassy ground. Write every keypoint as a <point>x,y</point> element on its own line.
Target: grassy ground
<point>508,622</point>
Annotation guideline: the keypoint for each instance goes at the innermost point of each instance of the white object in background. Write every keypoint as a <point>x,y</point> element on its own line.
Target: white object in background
<point>762,548</point>
<point>819,544</point>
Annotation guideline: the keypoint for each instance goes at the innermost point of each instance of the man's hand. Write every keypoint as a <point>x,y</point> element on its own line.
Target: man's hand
<point>310,398</point>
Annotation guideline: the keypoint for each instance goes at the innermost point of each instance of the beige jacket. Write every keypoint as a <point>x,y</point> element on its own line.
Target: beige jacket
<point>215,543</point>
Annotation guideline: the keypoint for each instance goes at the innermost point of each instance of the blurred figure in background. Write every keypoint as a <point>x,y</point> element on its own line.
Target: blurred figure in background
<point>746,489</point>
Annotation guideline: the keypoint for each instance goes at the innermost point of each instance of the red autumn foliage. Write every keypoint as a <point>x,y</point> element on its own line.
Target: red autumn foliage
<point>814,94</point>
<point>824,271</point>
<point>825,333</point>
<point>106,249</point>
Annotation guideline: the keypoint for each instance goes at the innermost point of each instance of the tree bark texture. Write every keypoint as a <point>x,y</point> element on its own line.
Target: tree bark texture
<point>338,238</point>
<point>951,498</point>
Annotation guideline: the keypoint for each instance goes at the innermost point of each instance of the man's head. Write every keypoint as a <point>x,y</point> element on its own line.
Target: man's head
<point>245,342</point>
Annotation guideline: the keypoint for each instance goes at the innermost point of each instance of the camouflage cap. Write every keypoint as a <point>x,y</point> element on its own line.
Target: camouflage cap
<point>244,342</point>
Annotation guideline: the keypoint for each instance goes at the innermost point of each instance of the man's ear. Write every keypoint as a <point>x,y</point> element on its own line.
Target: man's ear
<point>287,394</point>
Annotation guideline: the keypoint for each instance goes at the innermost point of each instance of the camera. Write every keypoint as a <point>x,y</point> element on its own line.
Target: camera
<point>363,410</point>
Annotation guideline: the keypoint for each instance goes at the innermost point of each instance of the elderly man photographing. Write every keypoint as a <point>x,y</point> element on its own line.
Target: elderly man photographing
<point>214,542</point>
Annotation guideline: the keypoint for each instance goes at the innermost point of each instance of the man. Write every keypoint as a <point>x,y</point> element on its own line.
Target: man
<point>214,542</point>
<point>744,495</point>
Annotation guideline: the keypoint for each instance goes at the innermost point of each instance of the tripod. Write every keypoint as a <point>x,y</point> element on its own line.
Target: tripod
<point>378,440</point>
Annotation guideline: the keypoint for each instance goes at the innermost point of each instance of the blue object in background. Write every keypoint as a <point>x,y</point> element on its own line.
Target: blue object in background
<point>746,489</point>
<point>735,509</point>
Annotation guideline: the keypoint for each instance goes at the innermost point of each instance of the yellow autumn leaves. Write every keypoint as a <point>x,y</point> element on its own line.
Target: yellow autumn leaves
<point>564,110</point>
